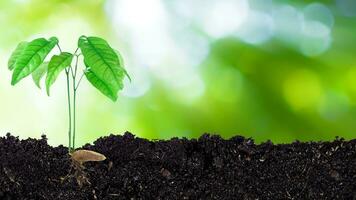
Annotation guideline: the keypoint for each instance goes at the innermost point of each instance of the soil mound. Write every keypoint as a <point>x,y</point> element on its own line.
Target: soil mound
<point>205,168</point>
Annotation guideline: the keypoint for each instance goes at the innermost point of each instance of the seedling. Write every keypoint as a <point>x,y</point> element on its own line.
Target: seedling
<point>103,68</point>
<point>79,157</point>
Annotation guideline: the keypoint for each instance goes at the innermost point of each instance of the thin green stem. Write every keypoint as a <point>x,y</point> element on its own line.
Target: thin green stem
<point>80,79</point>
<point>74,88</point>
<point>71,70</point>
<point>69,113</point>
<point>69,108</point>
<point>75,52</point>
<point>60,50</point>
<point>76,66</point>
<point>74,113</point>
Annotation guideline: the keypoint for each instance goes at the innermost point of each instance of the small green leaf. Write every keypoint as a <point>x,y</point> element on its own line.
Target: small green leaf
<point>14,56</point>
<point>39,73</point>
<point>100,85</point>
<point>32,57</point>
<point>106,70</point>
<point>57,64</point>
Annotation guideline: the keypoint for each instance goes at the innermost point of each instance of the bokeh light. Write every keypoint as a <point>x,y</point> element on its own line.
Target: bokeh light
<point>258,29</point>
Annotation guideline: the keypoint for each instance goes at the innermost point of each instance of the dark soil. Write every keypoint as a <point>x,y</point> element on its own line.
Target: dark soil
<point>206,168</point>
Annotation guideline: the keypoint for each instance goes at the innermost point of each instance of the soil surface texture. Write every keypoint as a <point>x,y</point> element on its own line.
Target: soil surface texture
<point>205,168</point>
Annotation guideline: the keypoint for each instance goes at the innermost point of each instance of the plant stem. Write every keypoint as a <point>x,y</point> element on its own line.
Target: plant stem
<point>74,75</point>
<point>69,113</point>
<point>69,108</point>
<point>60,50</point>
<point>74,113</point>
<point>80,79</point>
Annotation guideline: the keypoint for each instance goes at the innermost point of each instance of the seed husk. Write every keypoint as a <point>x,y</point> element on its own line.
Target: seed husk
<point>83,156</point>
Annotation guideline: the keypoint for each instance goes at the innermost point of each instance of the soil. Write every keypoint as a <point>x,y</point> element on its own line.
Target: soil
<point>205,168</point>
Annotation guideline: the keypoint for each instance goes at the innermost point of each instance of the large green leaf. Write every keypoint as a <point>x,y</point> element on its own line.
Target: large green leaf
<point>39,73</point>
<point>57,64</point>
<point>100,85</point>
<point>32,57</point>
<point>15,55</point>
<point>104,64</point>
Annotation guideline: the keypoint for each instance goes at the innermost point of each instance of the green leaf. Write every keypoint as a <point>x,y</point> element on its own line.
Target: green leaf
<point>57,64</point>
<point>14,56</point>
<point>39,73</point>
<point>32,57</point>
<point>100,85</point>
<point>106,71</point>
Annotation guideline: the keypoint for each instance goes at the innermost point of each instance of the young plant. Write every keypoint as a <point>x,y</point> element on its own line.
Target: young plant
<point>103,68</point>
<point>79,157</point>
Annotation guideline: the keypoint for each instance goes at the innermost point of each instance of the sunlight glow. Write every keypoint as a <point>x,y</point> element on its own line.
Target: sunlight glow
<point>167,52</point>
<point>223,18</point>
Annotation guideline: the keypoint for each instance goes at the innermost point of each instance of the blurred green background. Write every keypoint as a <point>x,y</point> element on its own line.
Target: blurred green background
<point>279,70</point>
